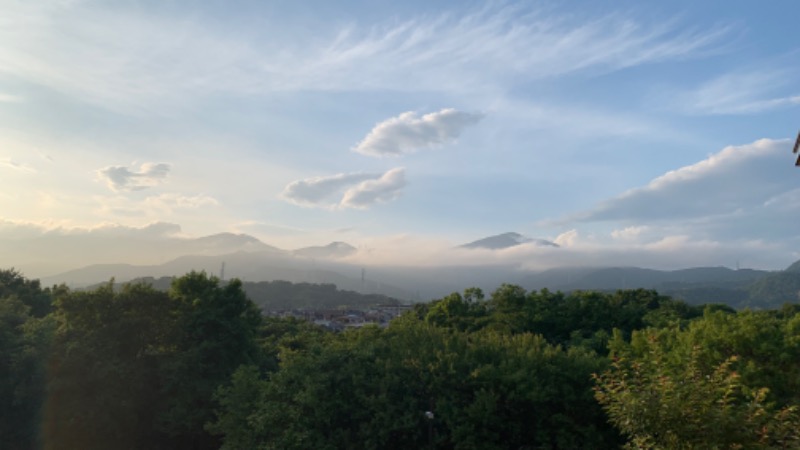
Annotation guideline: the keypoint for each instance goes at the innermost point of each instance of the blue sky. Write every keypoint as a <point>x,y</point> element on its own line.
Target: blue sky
<point>628,132</point>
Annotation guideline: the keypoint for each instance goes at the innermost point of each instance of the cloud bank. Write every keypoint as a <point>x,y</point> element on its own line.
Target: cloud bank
<point>121,178</point>
<point>355,190</point>
<point>735,179</point>
<point>408,132</point>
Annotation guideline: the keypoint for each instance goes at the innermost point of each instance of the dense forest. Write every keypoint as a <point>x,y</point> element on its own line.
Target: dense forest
<point>198,367</point>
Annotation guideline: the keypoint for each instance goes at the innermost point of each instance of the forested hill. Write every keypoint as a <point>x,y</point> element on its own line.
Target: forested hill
<point>283,295</point>
<point>743,288</point>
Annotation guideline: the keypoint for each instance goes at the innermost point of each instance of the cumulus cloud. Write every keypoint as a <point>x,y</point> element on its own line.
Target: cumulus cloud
<point>408,132</point>
<point>735,179</point>
<point>567,239</point>
<point>121,178</point>
<point>316,191</point>
<point>381,190</point>
<point>355,190</point>
<point>632,233</point>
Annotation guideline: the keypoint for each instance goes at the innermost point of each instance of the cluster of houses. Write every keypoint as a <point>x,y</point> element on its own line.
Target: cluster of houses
<point>340,319</point>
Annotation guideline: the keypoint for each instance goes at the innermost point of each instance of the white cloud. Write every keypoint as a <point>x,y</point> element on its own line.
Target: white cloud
<point>121,178</point>
<point>370,192</point>
<point>567,239</point>
<point>408,132</point>
<point>667,252</point>
<point>734,179</point>
<point>346,190</point>
<point>629,233</point>
<point>318,191</point>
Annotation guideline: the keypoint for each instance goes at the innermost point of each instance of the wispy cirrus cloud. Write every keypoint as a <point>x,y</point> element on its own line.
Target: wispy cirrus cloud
<point>132,59</point>
<point>409,132</point>
<point>16,165</point>
<point>121,178</point>
<point>744,92</point>
<point>346,190</point>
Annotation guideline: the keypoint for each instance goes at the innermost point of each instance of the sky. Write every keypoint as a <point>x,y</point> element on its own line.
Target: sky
<point>630,133</point>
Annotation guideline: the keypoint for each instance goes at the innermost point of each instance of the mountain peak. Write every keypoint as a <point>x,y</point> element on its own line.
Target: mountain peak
<point>506,240</point>
<point>335,249</point>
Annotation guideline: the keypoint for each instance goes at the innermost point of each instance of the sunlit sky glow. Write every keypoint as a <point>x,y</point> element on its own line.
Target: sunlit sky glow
<point>630,133</point>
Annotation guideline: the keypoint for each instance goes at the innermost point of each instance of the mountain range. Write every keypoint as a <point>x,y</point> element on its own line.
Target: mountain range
<point>237,255</point>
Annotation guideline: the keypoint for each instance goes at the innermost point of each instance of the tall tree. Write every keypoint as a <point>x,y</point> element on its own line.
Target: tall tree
<point>25,335</point>
<point>104,378</point>
<point>218,328</point>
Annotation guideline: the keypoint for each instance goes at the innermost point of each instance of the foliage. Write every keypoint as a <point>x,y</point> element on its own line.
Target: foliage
<point>137,367</point>
<point>25,335</point>
<point>664,395</point>
<point>775,289</point>
<point>198,367</point>
<point>218,328</point>
<point>29,292</point>
<point>371,388</point>
<point>580,318</point>
<point>105,369</point>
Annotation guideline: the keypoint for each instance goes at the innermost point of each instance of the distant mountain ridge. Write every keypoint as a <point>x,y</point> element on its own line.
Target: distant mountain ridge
<point>249,259</point>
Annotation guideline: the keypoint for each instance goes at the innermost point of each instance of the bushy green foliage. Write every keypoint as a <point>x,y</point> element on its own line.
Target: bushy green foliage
<point>370,388</point>
<point>137,367</point>
<point>726,381</point>
<point>105,368</point>
<point>579,318</point>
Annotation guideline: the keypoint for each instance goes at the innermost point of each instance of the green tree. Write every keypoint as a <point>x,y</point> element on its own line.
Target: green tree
<point>30,292</point>
<point>217,333</point>
<point>25,334</point>
<point>105,379</point>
